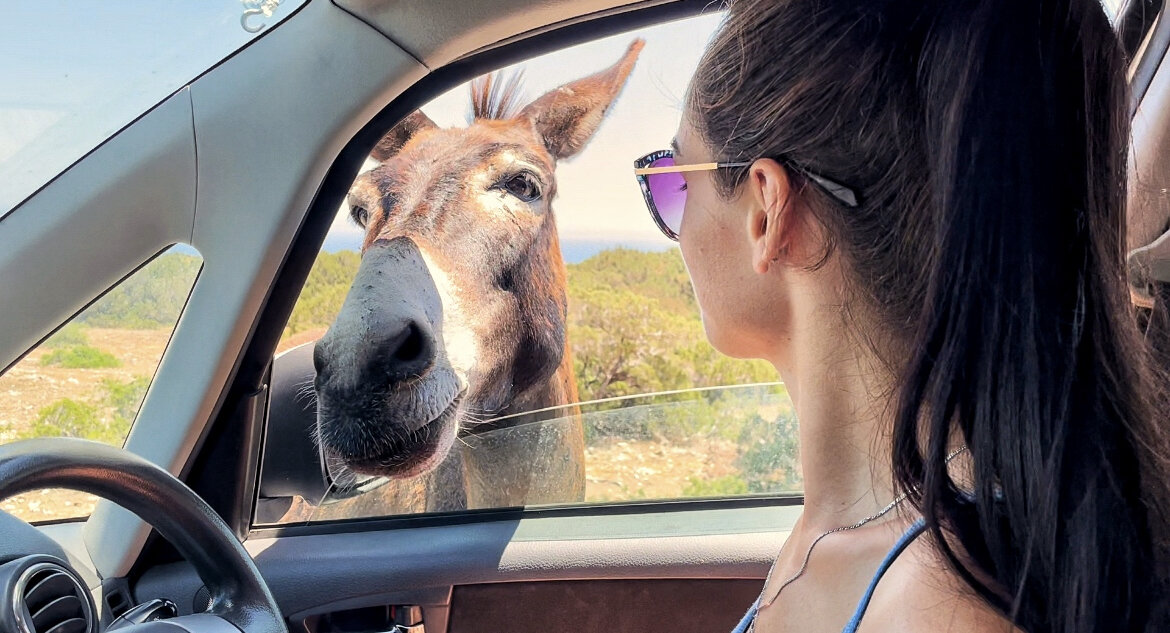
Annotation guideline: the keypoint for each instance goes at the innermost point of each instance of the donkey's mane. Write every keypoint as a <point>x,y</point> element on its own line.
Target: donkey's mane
<point>497,97</point>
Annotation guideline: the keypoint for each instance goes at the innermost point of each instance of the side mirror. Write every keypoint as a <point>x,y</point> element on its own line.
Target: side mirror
<point>290,465</point>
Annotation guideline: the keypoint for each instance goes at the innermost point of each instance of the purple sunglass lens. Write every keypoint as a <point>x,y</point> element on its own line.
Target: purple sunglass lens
<point>669,193</point>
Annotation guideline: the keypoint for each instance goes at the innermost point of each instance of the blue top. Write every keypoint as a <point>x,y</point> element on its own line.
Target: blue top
<point>918,528</point>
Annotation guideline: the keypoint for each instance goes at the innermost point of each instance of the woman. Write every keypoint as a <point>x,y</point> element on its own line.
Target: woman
<point>914,210</point>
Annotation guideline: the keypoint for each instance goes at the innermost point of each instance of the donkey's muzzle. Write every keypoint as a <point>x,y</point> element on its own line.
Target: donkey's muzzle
<point>385,333</point>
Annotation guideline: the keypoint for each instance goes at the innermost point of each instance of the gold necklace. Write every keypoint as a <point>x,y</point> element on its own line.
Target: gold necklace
<point>808,554</point>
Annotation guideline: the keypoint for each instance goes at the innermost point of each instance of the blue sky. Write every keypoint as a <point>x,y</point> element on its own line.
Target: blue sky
<point>598,199</point>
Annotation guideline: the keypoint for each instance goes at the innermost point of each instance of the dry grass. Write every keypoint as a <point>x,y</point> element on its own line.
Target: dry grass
<point>29,386</point>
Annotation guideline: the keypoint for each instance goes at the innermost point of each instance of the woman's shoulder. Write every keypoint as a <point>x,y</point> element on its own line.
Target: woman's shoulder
<point>920,594</point>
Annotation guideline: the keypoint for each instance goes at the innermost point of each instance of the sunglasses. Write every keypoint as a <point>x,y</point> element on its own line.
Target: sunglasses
<point>665,190</point>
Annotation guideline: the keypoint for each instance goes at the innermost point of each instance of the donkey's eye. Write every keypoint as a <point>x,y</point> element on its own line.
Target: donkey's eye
<point>524,186</point>
<point>359,215</point>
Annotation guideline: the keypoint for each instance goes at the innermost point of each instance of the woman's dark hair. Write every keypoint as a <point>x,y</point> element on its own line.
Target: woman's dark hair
<point>988,142</point>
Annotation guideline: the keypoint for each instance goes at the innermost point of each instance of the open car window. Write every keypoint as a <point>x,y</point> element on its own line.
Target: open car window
<point>644,408</point>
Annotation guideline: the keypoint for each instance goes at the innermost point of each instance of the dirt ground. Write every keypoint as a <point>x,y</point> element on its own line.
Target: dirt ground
<point>28,387</point>
<point>615,470</point>
<point>650,469</point>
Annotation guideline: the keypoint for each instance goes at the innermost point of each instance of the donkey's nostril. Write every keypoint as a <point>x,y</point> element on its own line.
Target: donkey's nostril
<point>411,347</point>
<point>411,353</point>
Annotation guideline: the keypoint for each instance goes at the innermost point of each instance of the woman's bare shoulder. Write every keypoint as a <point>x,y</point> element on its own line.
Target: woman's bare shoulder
<point>919,594</point>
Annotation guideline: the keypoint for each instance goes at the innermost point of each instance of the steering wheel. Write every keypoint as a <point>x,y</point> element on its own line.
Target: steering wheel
<point>239,596</point>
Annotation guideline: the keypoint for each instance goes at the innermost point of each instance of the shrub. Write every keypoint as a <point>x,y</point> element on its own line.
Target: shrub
<point>126,397</point>
<point>107,421</point>
<point>771,461</point>
<point>72,334</point>
<point>69,418</point>
<point>324,291</point>
<point>718,487</point>
<point>80,357</point>
<point>151,298</point>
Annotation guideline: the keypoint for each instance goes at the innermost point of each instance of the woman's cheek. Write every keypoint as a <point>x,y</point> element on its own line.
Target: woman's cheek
<point>690,244</point>
<point>700,256</point>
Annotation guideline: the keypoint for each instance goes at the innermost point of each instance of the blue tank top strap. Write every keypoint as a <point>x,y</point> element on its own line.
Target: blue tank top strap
<point>915,530</point>
<point>746,622</point>
<point>919,526</point>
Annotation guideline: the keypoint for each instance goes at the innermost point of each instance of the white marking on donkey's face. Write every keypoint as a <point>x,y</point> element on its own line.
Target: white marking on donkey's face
<point>459,342</point>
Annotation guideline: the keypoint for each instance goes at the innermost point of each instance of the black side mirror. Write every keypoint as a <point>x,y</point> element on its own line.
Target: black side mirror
<point>291,466</point>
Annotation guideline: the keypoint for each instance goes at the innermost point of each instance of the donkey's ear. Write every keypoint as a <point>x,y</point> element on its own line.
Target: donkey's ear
<point>568,116</point>
<point>400,134</point>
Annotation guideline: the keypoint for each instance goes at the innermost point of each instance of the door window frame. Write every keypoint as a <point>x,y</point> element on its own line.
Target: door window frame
<point>253,367</point>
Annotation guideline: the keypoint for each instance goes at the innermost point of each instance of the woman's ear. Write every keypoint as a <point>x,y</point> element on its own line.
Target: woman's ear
<point>772,219</point>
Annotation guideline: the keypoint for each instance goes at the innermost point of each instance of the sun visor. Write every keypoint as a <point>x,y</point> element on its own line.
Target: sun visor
<point>438,31</point>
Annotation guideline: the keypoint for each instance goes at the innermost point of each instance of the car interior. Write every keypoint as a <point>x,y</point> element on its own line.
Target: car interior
<point>247,164</point>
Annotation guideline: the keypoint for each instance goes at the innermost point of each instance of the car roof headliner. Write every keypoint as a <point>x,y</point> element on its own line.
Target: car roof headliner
<point>437,32</point>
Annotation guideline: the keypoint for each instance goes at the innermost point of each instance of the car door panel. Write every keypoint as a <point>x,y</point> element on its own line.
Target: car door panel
<point>506,563</point>
<point>619,606</point>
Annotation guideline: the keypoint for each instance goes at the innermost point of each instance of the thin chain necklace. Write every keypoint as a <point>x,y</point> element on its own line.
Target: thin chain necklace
<point>845,528</point>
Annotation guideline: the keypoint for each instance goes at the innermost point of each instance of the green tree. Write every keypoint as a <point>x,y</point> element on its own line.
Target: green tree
<point>770,454</point>
<point>324,291</point>
<point>634,328</point>
<point>151,298</point>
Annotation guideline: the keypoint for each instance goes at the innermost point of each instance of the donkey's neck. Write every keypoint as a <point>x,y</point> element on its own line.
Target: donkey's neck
<point>560,388</point>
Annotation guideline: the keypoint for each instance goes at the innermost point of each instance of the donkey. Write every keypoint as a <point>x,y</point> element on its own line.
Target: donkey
<point>458,308</point>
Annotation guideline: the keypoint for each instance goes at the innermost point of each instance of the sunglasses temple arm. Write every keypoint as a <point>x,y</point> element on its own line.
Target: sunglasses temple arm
<point>837,190</point>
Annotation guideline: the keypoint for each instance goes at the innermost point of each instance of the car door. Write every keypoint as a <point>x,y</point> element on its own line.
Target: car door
<point>266,145</point>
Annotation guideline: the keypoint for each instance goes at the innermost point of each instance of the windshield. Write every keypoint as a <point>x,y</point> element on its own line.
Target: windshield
<point>74,73</point>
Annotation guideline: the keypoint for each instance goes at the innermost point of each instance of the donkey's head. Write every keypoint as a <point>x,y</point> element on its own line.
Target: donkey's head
<point>459,303</point>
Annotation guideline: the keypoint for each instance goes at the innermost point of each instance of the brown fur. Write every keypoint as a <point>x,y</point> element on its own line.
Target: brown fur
<point>460,197</point>
<point>496,97</point>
